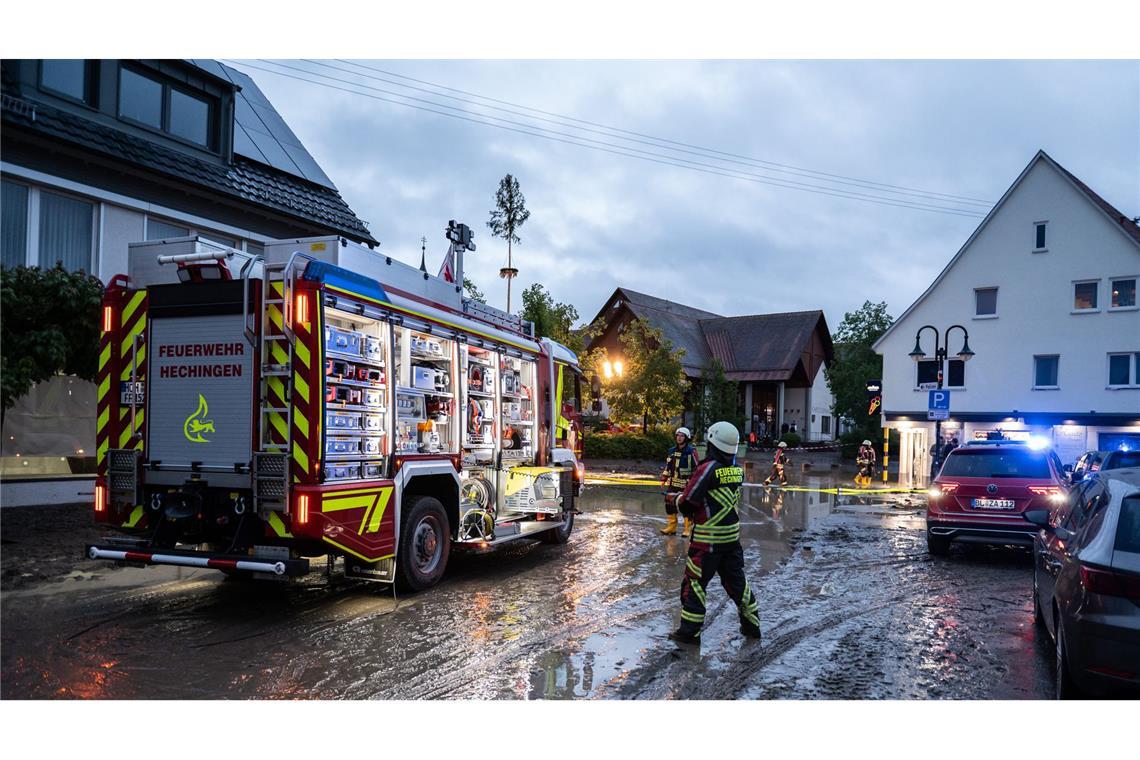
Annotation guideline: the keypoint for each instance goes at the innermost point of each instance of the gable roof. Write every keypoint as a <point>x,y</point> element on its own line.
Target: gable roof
<point>679,324</point>
<point>764,346</point>
<point>244,180</point>
<point>1118,220</point>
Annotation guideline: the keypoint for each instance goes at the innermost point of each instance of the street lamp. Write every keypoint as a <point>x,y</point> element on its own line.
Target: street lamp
<point>940,355</point>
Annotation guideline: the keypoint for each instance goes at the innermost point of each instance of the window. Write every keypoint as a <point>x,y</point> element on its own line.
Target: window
<point>1128,526</point>
<point>985,302</point>
<point>14,224</point>
<point>66,232</point>
<point>825,425</point>
<point>158,105</point>
<point>1045,371</point>
<point>1124,293</point>
<point>970,462</point>
<point>71,78</point>
<point>1039,231</point>
<point>927,372</point>
<point>1124,370</point>
<point>956,374</point>
<point>1084,295</point>
<point>157,229</point>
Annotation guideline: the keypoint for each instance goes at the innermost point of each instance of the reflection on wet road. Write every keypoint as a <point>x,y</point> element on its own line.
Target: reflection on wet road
<point>850,604</point>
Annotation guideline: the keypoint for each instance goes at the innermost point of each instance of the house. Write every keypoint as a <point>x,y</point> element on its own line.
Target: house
<point>777,359</point>
<point>98,154</point>
<point>1045,291</point>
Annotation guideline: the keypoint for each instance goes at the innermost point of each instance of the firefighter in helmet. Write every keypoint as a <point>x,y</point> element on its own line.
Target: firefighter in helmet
<point>679,465</point>
<point>866,461</point>
<point>779,462</point>
<point>712,500</point>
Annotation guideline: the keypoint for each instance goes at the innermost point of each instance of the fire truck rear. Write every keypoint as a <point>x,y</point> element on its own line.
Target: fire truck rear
<point>324,400</point>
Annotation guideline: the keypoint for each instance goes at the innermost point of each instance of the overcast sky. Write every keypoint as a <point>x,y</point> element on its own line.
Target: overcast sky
<point>728,245</point>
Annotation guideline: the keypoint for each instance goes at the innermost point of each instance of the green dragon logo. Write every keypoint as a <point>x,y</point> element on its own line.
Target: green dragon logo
<point>197,424</point>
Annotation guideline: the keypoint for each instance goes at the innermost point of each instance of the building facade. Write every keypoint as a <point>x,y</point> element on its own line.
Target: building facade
<point>98,154</point>
<point>776,359</point>
<point>1045,288</point>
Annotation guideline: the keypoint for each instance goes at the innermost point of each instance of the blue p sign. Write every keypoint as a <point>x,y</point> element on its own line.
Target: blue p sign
<point>939,400</point>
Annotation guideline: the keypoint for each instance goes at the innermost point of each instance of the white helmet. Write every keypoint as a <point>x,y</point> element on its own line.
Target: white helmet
<point>683,431</point>
<point>781,445</point>
<point>724,436</point>
<point>866,443</point>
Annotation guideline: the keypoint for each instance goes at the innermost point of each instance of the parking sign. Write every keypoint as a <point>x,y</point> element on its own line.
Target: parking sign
<point>938,406</point>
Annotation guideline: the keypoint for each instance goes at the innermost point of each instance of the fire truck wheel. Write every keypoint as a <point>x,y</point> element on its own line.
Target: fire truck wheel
<point>425,544</point>
<point>561,534</point>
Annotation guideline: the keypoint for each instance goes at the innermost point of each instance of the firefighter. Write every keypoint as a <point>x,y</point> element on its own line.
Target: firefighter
<point>679,465</point>
<point>779,463</point>
<point>712,499</point>
<point>866,461</point>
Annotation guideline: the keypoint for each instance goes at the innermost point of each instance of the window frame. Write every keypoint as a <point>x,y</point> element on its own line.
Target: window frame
<point>994,314</point>
<point>1135,283</point>
<point>1094,309</point>
<point>242,244</point>
<point>92,267</point>
<point>1055,387</point>
<point>213,129</point>
<point>1133,369</point>
<point>90,97</point>
<point>1044,223</point>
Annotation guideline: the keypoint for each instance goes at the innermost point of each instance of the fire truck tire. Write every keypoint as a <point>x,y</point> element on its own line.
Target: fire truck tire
<point>561,534</point>
<point>425,545</point>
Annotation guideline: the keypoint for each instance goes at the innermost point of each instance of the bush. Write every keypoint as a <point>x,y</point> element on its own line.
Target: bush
<point>653,445</point>
<point>792,439</point>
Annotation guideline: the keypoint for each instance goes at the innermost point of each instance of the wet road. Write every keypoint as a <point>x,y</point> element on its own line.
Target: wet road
<point>850,604</point>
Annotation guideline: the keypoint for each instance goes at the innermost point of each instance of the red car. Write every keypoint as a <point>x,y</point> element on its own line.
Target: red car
<point>983,490</point>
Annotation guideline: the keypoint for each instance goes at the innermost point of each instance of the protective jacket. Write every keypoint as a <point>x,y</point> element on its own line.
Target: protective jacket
<point>712,499</point>
<point>679,465</point>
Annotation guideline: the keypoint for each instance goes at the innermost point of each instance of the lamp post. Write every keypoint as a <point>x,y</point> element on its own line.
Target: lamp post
<point>940,355</point>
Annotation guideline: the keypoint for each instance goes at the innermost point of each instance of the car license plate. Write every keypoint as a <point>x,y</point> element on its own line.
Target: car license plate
<point>993,503</point>
<point>131,393</point>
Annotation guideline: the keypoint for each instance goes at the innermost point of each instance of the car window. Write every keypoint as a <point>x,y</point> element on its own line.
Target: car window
<point>1117,459</point>
<point>1061,514</point>
<point>1128,527</point>
<point>996,463</point>
<point>1087,503</point>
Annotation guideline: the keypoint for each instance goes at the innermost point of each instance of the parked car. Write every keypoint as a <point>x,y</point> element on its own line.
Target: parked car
<point>983,491</point>
<point>1086,584</point>
<point>1086,465</point>
<point>1119,459</point>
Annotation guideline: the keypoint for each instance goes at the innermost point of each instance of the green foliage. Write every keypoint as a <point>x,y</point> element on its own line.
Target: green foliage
<point>653,445</point>
<point>720,399</point>
<point>551,320</point>
<point>510,212</point>
<point>854,364</point>
<point>652,387</point>
<point>50,326</point>
<point>472,291</point>
<point>792,439</point>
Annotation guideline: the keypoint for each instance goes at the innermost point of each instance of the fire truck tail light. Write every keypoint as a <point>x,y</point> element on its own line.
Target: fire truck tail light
<point>302,308</point>
<point>108,319</point>
<point>303,509</point>
<point>100,498</point>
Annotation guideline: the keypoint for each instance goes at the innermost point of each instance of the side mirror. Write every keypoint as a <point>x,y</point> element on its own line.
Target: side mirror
<point>1039,517</point>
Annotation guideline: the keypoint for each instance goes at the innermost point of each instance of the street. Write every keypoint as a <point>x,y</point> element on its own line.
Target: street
<point>851,607</point>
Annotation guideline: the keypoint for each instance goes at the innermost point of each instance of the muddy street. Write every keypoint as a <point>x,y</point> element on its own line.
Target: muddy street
<point>851,607</point>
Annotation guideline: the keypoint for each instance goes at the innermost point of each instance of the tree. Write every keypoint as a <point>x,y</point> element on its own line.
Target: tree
<point>507,217</point>
<point>720,398</point>
<point>50,326</point>
<point>551,320</point>
<point>472,291</point>
<point>652,386</point>
<point>855,363</point>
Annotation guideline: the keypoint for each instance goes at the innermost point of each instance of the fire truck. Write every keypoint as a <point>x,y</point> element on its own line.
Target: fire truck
<point>323,399</point>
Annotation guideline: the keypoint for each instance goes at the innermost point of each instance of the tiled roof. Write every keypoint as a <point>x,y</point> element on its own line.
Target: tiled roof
<point>251,182</point>
<point>762,346</point>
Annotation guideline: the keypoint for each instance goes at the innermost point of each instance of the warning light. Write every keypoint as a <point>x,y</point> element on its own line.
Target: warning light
<point>302,309</point>
<point>108,316</point>
<point>100,498</point>
<point>302,509</point>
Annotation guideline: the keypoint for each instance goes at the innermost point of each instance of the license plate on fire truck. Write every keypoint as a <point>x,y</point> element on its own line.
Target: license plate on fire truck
<point>993,503</point>
<point>131,393</point>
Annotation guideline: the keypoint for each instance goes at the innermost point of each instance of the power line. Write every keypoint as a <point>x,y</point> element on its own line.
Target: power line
<point>597,145</point>
<point>798,171</point>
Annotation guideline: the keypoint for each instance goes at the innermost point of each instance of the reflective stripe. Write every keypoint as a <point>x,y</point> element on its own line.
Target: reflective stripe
<point>301,457</point>
<point>700,592</point>
<point>136,515</point>
<point>278,525</point>
<point>104,356</point>
<point>301,386</point>
<point>301,421</point>
<point>132,304</point>
<point>692,617</point>
<point>692,566</point>
<point>103,416</point>
<point>302,352</point>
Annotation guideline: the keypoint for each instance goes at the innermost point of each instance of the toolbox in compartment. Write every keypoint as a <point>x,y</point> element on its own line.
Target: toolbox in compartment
<point>342,421</point>
<point>344,395</point>
<point>371,397</point>
<point>370,375</point>
<point>373,349</point>
<point>343,471</point>
<point>372,444</point>
<point>373,422</point>
<point>372,469</point>
<point>343,341</point>
<point>339,368</point>
<point>342,445</point>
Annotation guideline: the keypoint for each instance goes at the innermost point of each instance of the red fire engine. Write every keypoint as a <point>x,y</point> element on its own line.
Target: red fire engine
<point>324,399</point>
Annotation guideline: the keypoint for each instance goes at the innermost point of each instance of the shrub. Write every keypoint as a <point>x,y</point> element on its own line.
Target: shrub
<point>792,439</point>
<point>653,445</point>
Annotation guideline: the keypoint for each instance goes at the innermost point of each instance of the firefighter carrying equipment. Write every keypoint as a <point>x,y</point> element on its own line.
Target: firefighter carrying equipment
<point>779,462</point>
<point>712,500</point>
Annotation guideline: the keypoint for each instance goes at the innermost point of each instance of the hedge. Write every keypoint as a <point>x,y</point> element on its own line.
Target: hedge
<point>653,445</point>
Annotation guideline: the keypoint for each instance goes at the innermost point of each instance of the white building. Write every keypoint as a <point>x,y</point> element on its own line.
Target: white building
<point>1046,289</point>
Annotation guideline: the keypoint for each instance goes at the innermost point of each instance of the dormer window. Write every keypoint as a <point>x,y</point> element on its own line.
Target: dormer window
<point>159,105</point>
<point>71,78</point>
<point>1039,237</point>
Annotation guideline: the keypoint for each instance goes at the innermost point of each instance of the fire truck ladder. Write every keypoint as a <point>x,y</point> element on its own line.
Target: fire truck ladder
<point>271,460</point>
